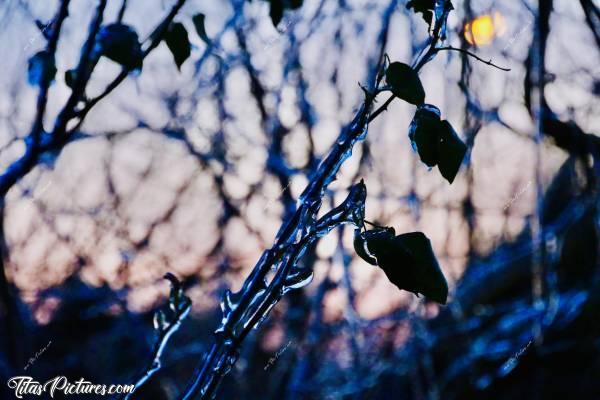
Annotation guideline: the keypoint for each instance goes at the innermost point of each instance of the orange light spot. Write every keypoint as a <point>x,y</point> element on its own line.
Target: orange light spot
<point>482,30</point>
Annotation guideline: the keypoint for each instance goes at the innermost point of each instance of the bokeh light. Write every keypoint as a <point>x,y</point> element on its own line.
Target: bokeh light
<point>482,30</point>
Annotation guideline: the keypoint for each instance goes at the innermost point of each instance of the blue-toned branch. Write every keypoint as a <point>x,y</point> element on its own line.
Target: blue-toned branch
<point>166,323</point>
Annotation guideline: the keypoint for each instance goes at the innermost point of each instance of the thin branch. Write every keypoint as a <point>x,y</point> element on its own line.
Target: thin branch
<point>180,307</point>
<point>122,11</point>
<point>84,71</point>
<point>475,56</point>
<point>24,164</point>
<point>155,38</point>
<point>381,109</point>
<point>428,56</point>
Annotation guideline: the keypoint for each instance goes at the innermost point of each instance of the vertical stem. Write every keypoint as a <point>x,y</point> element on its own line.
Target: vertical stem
<point>539,108</point>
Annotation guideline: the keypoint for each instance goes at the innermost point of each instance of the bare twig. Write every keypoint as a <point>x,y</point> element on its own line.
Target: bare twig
<point>155,38</point>
<point>475,56</point>
<point>84,70</point>
<point>25,163</point>
<point>122,11</point>
<point>180,307</point>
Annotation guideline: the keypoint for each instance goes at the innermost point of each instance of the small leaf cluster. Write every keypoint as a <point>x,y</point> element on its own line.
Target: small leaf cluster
<point>436,142</point>
<point>407,260</point>
<point>120,43</point>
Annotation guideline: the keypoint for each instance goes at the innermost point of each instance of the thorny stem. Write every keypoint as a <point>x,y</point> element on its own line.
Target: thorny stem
<point>381,109</point>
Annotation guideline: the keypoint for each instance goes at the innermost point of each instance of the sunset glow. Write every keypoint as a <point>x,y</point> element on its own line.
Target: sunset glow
<point>482,30</point>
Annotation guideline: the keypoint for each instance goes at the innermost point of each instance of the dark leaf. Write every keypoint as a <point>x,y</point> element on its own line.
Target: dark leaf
<point>424,274</point>
<point>360,246</point>
<point>41,69</point>
<point>376,238</point>
<point>405,83</point>
<point>407,260</point>
<point>198,21</point>
<point>436,141</point>
<point>424,133</point>
<point>120,43</point>
<point>420,5</point>
<point>178,42</point>
<point>425,7</point>
<point>428,17</point>
<point>277,8</point>
<point>276,11</point>
<point>451,151</point>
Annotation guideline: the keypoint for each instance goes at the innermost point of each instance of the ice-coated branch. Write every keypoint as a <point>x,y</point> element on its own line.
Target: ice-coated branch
<point>253,302</point>
<point>38,141</point>
<point>165,323</point>
<point>288,277</point>
<point>244,310</point>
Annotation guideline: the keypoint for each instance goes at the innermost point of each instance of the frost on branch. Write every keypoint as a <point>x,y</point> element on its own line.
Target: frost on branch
<point>351,211</point>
